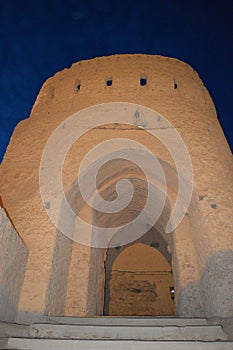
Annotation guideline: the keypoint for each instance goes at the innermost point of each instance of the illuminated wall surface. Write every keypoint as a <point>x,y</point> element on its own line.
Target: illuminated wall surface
<point>128,259</point>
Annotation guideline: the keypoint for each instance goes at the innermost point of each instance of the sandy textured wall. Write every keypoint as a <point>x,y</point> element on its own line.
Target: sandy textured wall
<point>188,107</point>
<point>13,261</point>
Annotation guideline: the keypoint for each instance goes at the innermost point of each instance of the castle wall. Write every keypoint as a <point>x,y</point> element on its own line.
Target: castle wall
<point>13,261</point>
<point>175,91</point>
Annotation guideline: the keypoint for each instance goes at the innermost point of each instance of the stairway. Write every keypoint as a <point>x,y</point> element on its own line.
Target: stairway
<point>107,333</point>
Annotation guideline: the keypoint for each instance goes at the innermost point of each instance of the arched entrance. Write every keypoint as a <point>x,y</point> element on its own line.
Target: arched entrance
<point>140,282</point>
<point>82,285</point>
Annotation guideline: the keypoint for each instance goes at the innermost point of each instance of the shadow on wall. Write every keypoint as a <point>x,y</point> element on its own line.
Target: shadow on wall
<point>13,261</point>
<point>213,294</point>
<point>56,291</point>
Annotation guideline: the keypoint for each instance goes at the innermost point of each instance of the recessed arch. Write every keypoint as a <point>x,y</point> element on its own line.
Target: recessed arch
<point>93,259</point>
<point>138,279</point>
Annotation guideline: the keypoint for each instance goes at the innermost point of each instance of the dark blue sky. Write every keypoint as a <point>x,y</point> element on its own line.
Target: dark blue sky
<point>40,37</point>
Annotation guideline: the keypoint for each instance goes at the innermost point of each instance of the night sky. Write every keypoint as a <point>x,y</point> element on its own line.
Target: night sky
<point>39,38</point>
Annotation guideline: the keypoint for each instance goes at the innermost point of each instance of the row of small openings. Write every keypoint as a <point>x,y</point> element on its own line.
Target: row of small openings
<point>143,82</point>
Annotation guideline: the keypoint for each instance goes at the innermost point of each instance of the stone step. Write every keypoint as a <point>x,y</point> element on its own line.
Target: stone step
<point>125,321</point>
<point>14,330</point>
<point>130,332</point>
<point>55,344</point>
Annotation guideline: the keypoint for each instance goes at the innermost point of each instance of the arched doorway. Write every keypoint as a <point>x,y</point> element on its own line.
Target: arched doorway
<point>82,291</point>
<point>138,282</point>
